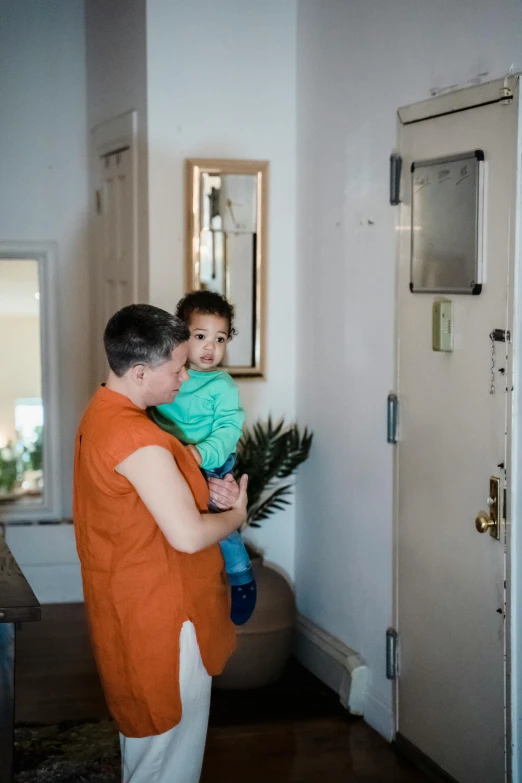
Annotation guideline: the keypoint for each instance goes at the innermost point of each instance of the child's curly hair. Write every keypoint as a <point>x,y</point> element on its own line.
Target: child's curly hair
<point>206,303</point>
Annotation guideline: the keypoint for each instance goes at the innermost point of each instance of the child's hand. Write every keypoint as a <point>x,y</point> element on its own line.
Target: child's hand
<point>195,453</point>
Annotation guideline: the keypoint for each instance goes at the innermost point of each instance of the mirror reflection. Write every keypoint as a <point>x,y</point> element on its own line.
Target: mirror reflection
<point>228,253</point>
<point>21,405</point>
<point>227,206</point>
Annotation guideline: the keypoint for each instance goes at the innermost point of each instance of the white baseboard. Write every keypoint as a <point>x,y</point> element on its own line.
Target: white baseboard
<point>335,664</point>
<point>57,584</point>
<point>379,715</point>
<point>48,559</point>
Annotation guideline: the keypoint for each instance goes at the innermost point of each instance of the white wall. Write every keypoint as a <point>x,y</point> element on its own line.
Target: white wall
<point>221,83</point>
<point>357,62</point>
<point>43,173</point>
<point>116,84</point>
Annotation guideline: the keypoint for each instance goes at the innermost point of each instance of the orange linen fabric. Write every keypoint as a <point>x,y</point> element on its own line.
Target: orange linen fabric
<point>138,589</point>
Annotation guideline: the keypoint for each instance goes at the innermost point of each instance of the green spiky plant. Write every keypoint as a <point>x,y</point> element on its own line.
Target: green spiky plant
<point>270,453</point>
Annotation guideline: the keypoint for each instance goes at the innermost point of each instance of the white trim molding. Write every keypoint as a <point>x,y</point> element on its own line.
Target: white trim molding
<point>379,715</point>
<point>45,253</point>
<point>120,131</point>
<point>48,559</point>
<point>335,664</point>
<point>460,99</point>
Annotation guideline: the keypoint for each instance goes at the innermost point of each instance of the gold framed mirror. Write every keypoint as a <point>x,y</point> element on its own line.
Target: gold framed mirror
<point>226,246</point>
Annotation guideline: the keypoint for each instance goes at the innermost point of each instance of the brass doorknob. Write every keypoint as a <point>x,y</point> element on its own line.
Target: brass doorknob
<point>484,522</point>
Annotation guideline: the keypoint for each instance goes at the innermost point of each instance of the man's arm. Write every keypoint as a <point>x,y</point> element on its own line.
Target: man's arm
<point>153,472</point>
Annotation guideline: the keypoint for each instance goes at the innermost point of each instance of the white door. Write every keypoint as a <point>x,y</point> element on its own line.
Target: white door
<point>454,436</point>
<point>116,268</point>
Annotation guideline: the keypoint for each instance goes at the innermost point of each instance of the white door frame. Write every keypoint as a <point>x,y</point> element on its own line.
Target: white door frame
<point>514,554</point>
<point>449,103</point>
<point>45,253</point>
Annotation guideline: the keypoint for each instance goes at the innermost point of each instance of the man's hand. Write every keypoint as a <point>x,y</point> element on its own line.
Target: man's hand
<point>224,492</point>
<point>195,453</point>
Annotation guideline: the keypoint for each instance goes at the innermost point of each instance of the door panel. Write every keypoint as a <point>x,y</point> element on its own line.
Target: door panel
<point>451,580</point>
<point>116,273</point>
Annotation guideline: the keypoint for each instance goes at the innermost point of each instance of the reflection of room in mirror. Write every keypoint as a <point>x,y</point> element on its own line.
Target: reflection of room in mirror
<point>212,259</point>
<point>241,251</point>
<point>226,249</point>
<point>228,253</point>
<point>21,408</point>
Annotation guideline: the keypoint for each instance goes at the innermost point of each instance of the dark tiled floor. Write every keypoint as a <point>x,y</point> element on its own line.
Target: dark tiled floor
<point>292,732</point>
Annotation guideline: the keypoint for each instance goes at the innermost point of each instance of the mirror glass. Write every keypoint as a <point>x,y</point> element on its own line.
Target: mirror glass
<point>21,405</point>
<point>228,253</point>
<point>226,249</point>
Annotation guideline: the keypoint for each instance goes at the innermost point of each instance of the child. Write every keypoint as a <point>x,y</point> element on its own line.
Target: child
<point>207,416</point>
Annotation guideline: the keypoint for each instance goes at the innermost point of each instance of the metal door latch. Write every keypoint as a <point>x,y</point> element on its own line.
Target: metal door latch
<point>491,520</point>
<point>496,336</point>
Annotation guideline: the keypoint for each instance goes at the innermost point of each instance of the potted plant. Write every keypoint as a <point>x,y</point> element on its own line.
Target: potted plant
<point>270,454</point>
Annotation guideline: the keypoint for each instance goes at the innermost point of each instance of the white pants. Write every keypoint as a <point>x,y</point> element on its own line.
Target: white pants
<point>177,755</point>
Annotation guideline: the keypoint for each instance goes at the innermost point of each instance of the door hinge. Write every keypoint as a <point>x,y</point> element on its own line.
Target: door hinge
<point>500,336</point>
<point>98,202</point>
<point>395,178</point>
<point>392,638</point>
<point>392,434</point>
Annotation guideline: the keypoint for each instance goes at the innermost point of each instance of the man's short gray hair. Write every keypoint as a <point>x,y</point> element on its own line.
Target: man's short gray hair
<point>142,334</point>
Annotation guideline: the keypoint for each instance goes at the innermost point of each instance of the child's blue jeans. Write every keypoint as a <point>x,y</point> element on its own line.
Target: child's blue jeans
<point>237,562</point>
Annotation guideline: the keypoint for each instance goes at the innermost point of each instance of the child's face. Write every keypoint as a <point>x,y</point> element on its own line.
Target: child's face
<point>208,341</point>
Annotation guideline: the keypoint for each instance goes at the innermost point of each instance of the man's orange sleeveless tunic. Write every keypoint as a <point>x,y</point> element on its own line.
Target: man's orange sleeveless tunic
<point>138,589</point>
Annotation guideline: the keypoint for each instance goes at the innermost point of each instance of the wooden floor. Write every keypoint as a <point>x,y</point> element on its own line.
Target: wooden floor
<point>281,742</point>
